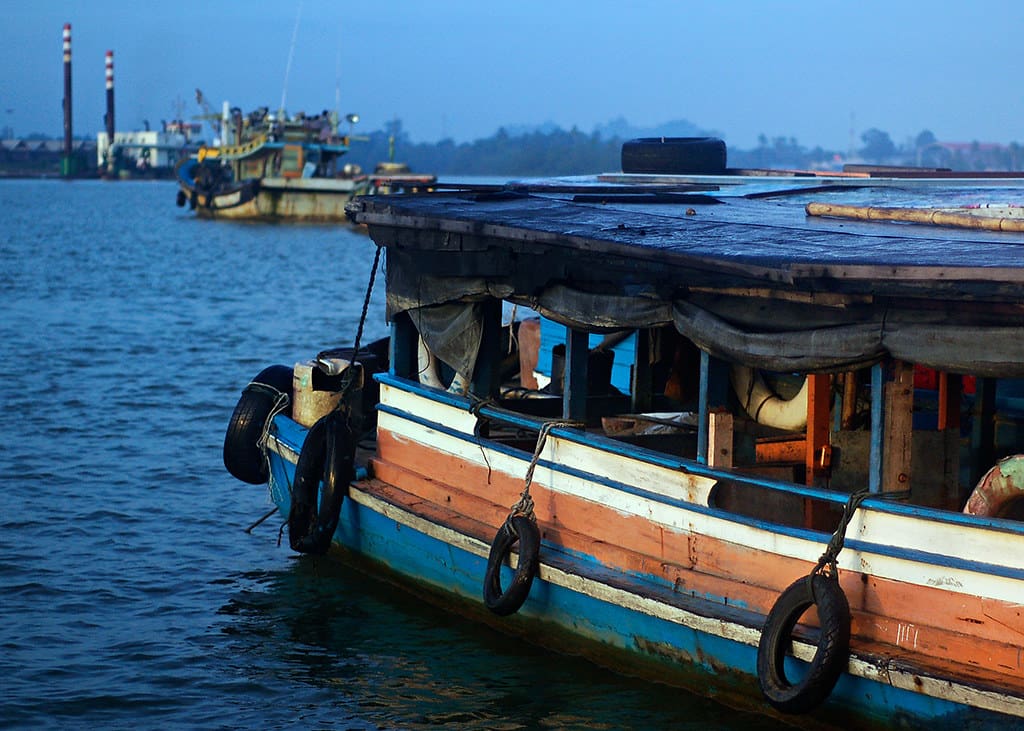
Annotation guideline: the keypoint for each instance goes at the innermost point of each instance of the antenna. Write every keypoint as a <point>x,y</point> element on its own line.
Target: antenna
<point>291,53</point>
<point>337,76</point>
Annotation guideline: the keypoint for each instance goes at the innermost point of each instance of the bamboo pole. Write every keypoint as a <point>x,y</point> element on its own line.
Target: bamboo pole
<point>934,216</point>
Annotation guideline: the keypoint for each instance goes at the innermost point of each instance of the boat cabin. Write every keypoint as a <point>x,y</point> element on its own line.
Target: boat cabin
<point>837,355</point>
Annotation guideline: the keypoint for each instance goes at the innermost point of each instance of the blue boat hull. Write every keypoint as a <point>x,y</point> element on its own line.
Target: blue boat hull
<point>613,635</point>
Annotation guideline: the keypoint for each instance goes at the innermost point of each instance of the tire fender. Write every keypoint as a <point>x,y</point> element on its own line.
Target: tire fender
<point>830,657</point>
<point>322,473</point>
<point>765,406</point>
<point>244,455</point>
<point>674,156</point>
<point>523,530</point>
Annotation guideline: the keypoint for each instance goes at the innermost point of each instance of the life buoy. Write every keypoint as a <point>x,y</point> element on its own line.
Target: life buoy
<point>428,370</point>
<point>521,529</point>
<point>324,468</point>
<point>244,457</point>
<point>1000,492</point>
<point>830,657</point>
<point>765,406</point>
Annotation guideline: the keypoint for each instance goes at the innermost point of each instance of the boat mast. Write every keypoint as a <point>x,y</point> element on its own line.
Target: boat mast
<point>288,66</point>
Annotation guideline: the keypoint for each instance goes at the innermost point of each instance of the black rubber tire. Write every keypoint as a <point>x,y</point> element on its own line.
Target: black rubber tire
<point>674,155</point>
<point>524,531</point>
<point>242,454</point>
<point>831,657</point>
<point>322,474</point>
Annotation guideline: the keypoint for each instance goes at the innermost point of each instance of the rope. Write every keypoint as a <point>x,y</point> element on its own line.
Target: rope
<point>366,302</point>
<point>251,527</point>
<point>525,505</point>
<point>349,375</point>
<point>281,400</point>
<point>835,544</point>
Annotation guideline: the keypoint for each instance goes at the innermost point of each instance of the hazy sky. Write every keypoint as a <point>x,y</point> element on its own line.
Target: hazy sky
<point>822,71</point>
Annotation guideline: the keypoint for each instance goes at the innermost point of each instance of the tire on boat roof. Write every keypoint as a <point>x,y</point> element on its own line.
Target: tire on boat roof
<point>243,455</point>
<point>524,530</point>
<point>830,657</point>
<point>674,155</point>
<point>322,473</point>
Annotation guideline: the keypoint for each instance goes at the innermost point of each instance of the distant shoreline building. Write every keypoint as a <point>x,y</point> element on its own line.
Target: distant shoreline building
<point>41,158</point>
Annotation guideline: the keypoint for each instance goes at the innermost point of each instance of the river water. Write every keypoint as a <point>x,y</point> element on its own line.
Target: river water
<point>131,596</point>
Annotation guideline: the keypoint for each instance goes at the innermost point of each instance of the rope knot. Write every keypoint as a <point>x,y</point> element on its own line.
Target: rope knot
<point>829,558</point>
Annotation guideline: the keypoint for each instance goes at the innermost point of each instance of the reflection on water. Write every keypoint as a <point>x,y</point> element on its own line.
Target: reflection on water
<point>395,662</point>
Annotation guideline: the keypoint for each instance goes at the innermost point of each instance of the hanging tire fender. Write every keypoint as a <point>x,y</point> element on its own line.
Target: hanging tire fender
<point>830,657</point>
<point>765,406</point>
<point>521,529</point>
<point>322,474</point>
<point>268,393</point>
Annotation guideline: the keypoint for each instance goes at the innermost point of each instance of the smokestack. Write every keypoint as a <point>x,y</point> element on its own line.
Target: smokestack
<point>109,116</point>
<point>66,167</point>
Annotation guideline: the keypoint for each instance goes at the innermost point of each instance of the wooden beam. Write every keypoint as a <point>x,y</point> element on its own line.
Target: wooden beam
<point>782,450</point>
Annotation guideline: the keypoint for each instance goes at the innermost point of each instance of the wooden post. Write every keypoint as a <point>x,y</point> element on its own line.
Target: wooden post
<point>817,457</point>
<point>950,386</point>
<point>720,429</point>
<point>714,396</point>
<point>899,413</point>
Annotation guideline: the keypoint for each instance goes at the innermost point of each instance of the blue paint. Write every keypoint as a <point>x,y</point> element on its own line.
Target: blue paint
<point>551,334</point>
<point>877,430</point>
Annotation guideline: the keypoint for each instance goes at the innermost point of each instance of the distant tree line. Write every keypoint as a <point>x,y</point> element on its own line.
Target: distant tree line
<point>559,152</point>
<point>556,152</point>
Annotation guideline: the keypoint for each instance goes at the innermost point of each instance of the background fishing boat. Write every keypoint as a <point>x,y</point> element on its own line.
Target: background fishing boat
<point>821,526</point>
<point>277,167</point>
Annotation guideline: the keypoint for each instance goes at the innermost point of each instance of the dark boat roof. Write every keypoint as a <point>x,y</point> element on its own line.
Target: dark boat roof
<point>735,263</point>
<point>740,231</point>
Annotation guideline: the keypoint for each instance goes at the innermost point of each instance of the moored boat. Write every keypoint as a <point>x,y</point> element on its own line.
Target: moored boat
<point>279,168</point>
<point>806,499</point>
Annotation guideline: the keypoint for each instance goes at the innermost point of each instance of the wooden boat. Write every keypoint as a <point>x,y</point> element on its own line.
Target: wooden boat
<point>280,169</point>
<point>826,525</point>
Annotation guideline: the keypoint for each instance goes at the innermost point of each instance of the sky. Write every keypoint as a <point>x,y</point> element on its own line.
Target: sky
<point>822,71</point>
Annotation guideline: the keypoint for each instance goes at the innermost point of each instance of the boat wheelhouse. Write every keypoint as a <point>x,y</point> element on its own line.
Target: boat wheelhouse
<point>804,500</point>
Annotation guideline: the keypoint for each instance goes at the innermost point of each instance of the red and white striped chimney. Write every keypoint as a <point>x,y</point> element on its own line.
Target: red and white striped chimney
<point>67,90</point>
<point>109,116</point>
